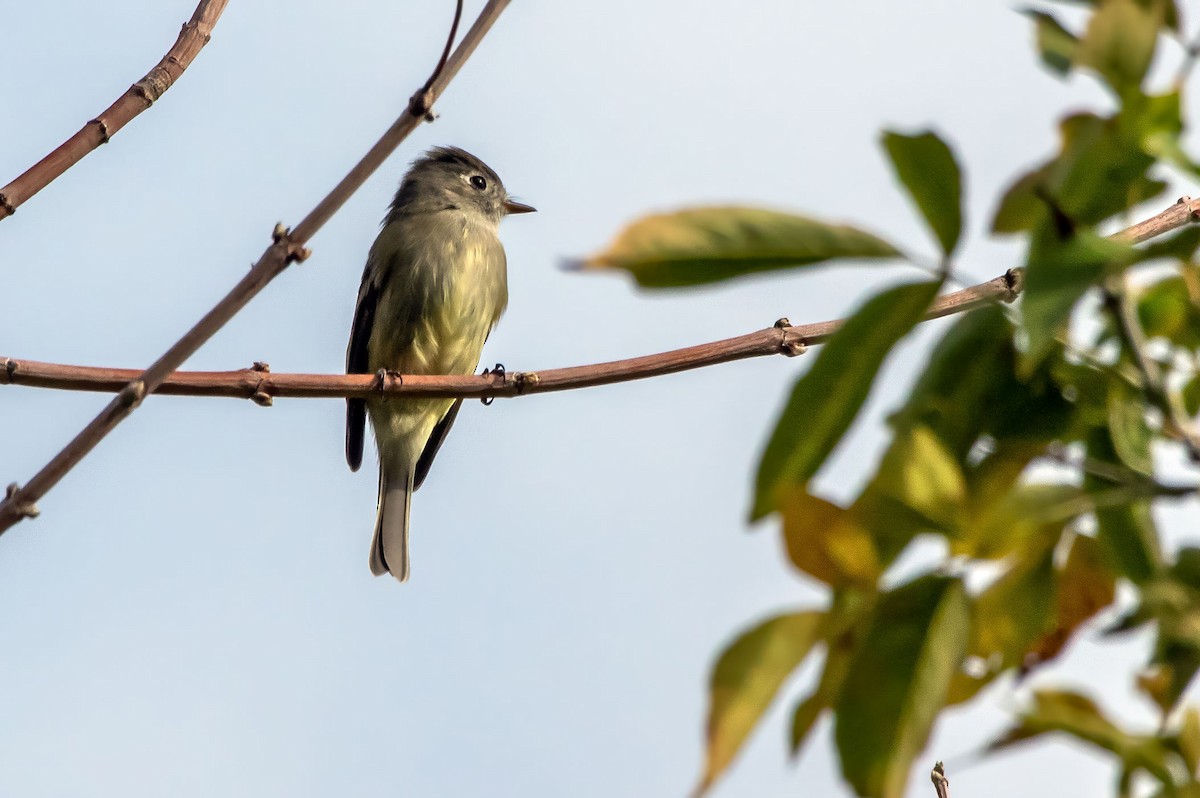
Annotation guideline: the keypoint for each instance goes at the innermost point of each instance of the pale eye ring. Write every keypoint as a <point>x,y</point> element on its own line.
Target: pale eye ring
<point>478,182</point>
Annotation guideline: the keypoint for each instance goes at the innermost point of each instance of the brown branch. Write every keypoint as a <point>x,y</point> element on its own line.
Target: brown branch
<point>20,502</point>
<point>140,96</point>
<point>260,385</point>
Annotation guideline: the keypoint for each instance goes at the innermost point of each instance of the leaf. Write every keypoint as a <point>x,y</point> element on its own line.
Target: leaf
<point>898,682</point>
<point>1016,610</point>
<point>826,399</point>
<point>707,245</point>
<point>1119,43</point>
<point>746,678</point>
<point>1100,171</point>
<point>927,168</point>
<point>1130,433</point>
<point>1167,309</point>
<point>1027,512</point>
<point>1058,272</point>
<point>1057,46</point>
<point>850,613</point>
<point>827,541</point>
<point>1173,600</point>
<point>1126,532</point>
<point>1086,585</point>
<point>1079,717</point>
<point>1189,739</point>
<point>1191,396</point>
<point>922,475</point>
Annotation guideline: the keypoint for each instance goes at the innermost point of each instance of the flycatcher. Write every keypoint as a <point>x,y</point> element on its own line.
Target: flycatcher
<point>434,286</point>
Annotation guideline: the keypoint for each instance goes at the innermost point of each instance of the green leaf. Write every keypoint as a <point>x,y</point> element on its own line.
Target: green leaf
<point>1189,738</point>
<point>847,619</point>
<point>1127,532</point>
<point>1057,46</point>
<point>1058,273</point>
<point>1191,396</point>
<point>927,168</point>
<point>1017,518</point>
<point>1168,310</point>
<point>1127,426</point>
<point>1079,717</point>
<point>827,541</point>
<point>1173,601</point>
<point>746,678</point>
<point>1016,610</point>
<point>922,475</point>
<point>898,682</point>
<point>1119,43</point>
<point>707,245</point>
<point>826,399</point>
<point>1100,171</point>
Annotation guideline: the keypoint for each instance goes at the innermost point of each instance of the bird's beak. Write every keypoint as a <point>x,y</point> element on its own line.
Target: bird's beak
<point>512,206</point>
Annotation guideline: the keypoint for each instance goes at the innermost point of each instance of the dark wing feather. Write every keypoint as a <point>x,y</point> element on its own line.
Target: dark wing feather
<point>356,363</point>
<point>436,439</point>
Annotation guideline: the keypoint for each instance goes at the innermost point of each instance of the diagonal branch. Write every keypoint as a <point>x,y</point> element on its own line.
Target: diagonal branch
<point>260,385</point>
<point>140,96</point>
<point>288,246</point>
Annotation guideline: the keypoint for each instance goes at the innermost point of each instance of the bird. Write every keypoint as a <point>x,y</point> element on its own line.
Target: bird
<point>434,286</point>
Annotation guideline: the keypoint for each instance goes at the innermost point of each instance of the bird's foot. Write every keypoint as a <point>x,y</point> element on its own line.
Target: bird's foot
<point>383,376</point>
<point>499,371</point>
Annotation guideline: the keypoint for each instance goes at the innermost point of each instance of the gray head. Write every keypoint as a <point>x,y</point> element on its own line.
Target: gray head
<point>447,177</point>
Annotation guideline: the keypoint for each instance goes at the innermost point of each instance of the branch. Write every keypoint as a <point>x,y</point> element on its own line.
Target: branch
<point>260,385</point>
<point>940,783</point>
<point>288,246</point>
<point>1123,309</point>
<point>140,96</point>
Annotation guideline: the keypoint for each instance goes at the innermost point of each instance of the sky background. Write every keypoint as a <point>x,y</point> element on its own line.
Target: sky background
<point>192,614</point>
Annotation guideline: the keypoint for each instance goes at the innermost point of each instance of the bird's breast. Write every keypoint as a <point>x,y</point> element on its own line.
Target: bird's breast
<point>442,297</point>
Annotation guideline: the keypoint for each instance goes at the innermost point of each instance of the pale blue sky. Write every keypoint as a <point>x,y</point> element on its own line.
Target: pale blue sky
<point>192,615</point>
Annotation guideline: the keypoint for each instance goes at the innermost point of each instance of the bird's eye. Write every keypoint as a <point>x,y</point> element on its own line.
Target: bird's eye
<point>478,182</point>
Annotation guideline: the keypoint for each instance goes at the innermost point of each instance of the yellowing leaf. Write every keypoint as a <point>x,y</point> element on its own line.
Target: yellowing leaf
<point>922,475</point>
<point>826,541</point>
<point>1086,585</point>
<point>1119,42</point>
<point>745,680</point>
<point>707,245</point>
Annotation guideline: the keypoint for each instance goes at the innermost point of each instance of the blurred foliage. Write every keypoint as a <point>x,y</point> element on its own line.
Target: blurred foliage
<point>1029,448</point>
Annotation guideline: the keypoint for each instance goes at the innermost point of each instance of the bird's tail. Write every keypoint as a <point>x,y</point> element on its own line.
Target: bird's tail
<point>389,548</point>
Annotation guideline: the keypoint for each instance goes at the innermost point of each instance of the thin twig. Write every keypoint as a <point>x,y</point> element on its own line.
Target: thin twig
<point>940,782</point>
<point>286,248</point>
<point>140,96</point>
<point>258,383</point>
<point>1124,313</point>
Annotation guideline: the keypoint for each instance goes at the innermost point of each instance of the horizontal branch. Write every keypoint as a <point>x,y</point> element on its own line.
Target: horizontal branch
<point>140,96</point>
<point>260,385</point>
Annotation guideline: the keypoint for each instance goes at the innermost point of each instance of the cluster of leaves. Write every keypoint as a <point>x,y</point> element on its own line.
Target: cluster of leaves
<point>1006,389</point>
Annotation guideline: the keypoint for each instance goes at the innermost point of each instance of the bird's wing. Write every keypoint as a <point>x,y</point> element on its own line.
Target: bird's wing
<point>356,363</point>
<point>436,439</point>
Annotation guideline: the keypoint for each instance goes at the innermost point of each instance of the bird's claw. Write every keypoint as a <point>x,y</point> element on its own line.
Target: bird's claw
<point>383,375</point>
<point>499,371</point>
